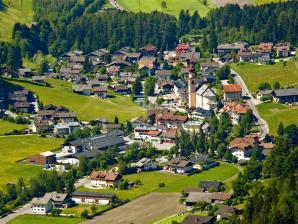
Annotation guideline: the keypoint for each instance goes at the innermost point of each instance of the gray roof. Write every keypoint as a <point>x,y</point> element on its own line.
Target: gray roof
<point>208,184</point>
<point>194,197</point>
<point>93,194</point>
<point>200,158</point>
<point>196,219</point>
<point>100,141</point>
<point>286,92</point>
<point>180,84</point>
<point>52,196</point>
<point>204,90</point>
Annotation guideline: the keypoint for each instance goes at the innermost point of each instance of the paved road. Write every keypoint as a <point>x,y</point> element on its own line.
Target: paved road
<point>116,5</point>
<point>251,102</point>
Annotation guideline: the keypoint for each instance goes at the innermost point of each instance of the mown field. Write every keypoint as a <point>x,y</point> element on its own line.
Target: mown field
<point>258,2</point>
<point>11,12</point>
<point>173,183</point>
<point>7,127</point>
<point>86,107</point>
<point>15,148</point>
<point>275,113</point>
<point>173,6</point>
<point>254,74</point>
<point>32,219</point>
<point>78,209</point>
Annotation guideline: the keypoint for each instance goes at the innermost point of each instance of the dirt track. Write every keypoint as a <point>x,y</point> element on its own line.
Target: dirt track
<point>148,208</point>
<point>224,2</point>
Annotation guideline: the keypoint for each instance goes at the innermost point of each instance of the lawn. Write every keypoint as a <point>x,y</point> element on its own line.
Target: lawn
<point>258,2</point>
<point>15,148</point>
<point>86,107</point>
<point>26,219</point>
<point>11,12</point>
<point>178,217</point>
<point>254,74</point>
<point>275,113</point>
<point>77,210</point>
<point>173,6</point>
<point>173,182</point>
<point>7,127</point>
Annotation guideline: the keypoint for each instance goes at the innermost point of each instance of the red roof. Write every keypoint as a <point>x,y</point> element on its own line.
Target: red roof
<point>243,143</point>
<point>182,47</point>
<point>103,175</point>
<point>231,88</point>
<point>265,47</point>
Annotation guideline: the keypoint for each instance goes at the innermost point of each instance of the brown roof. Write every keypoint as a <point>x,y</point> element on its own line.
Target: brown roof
<point>65,115</point>
<point>46,113</point>
<point>196,219</point>
<point>104,175</point>
<point>120,87</point>
<point>230,88</point>
<point>149,47</point>
<point>154,133</point>
<point>171,133</point>
<point>163,83</point>
<point>243,143</point>
<point>245,52</point>
<point>220,196</point>
<point>265,47</point>
<point>100,89</point>
<point>21,105</point>
<point>169,116</point>
<point>235,107</point>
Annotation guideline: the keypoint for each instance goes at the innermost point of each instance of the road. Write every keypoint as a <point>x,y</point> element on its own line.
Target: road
<point>251,102</point>
<point>116,5</point>
<point>26,209</point>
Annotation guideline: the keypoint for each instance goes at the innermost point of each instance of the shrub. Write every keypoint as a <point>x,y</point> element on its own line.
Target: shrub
<point>161,184</point>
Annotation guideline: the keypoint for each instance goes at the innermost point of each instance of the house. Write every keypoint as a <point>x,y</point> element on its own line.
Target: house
<point>22,106</point>
<point>39,125</point>
<point>169,119</point>
<point>282,50</point>
<point>145,164</point>
<point>120,63</point>
<point>242,147</point>
<point>148,50</point>
<point>132,57</point>
<point>189,58</point>
<point>245,55</point>
<point>165,86</point>
<point>82,89</point>
<point>95,143</point>
<point>194,197</point>
<point>265,49</point>
<point>219,197</point>
<point>64,117</point>
<point>43,158</point>
<point>122,89</point>
<point>285,95</point>
<point>202,162</point>
<point>229,48</point>
<point>225,212</point>
<point>196,219</point>
<point>204,98</point>
<point>236,110</point>
<point>147,64</point>
<point>264,93</point>
<point>100,91</point>
<point>39,79</point>
<point>232,92</point>
<point>61,129</point>
<point>182,48</point>
<point>92,198</point>
<point>113,70</point>
<point>170,135</point>
<point>103,78</point>
<point>104,179</point>
<point>25,72</point>
<point>147,134</point>
<point>179,165</point>
<point>128,77</point>
<point>164,74</point>
<point>207,185</point>
<point>98,54</point>
<point>209,67</point>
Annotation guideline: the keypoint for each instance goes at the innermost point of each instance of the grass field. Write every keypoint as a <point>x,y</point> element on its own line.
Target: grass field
<point>173,183</point>
<point>179,218</point>
<point>254,74</point>
<point>258,2</point>
<point>173,6</point>
<point>275,113</point>
<point>86,107</point>
<point>15,148</point>
<point>11,12</point>
<point>26,219</point>
<point>7,127</point>
<point>77,210</point>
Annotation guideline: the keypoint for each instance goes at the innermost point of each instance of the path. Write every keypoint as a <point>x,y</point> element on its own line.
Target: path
<point>251,102</point>
<point>144,209</point>
<point>116,5</point>
<point>220,3</point>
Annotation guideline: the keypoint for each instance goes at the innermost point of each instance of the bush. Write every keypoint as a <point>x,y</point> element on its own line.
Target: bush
<point>85,214</point>
<point>161,184</point>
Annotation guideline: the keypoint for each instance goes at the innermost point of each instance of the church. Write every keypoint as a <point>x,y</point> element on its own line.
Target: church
<point>203,98</point>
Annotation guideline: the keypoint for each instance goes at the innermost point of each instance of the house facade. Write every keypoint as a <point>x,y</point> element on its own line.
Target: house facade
<point>104,179</point>
<point>93,198</point>
<point>232,92</point>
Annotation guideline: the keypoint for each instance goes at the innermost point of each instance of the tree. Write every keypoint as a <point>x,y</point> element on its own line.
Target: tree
<point>137,87</point>
<point>116,120</point>
<point>163,4</point>
<point>85,214</point>
<point>223,73</point>
<point>264,86</point>
<point>280,130</point>
<point>87,65</point>
<point>276,85</point>
<point>93,208</point>
<point>149,86</point>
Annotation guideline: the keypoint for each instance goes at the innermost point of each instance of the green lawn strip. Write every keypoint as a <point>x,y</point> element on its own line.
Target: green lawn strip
<point>253,74</point>
<point>259,2</point>
<point>7,127</point>
<point>178,217</point>
<point>16,148</point>
<point>173,182</point>
<point>78,209</point>
<point>86,107</point>
<point>26,219</point>
<point>16,11</point>
<point>275,113</point>
<point>173,6</point>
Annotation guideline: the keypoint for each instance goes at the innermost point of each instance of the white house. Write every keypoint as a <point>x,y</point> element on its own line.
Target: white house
<point>179,165</point>
<point>41,205</point>
<point>92,198</point>
<point>242,147</point>
<point>104,179</point>
<point>147,134</point>
<point>145,164</point>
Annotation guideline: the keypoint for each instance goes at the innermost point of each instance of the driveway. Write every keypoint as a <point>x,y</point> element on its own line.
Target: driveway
<point>143,210</point>
<point>23,210</point>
